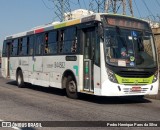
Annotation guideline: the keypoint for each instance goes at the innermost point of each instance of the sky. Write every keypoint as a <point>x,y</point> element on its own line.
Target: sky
<point>22,15</point>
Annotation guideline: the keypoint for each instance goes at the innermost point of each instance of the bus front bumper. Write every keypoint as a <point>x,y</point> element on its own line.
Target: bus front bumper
<point>113,89</point>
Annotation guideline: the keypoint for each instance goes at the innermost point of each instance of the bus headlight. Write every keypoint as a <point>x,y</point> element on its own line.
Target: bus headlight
<point>155,77</point>
<point>111,76</point>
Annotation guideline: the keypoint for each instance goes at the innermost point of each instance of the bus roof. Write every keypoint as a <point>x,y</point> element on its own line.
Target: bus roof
<point>57,25</point>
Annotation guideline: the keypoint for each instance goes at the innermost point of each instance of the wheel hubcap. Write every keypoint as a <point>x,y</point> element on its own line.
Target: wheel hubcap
<point>72,86</point>
<point>19,79</point>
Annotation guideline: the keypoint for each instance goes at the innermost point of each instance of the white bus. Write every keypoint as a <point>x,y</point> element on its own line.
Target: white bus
<point>101,54</point>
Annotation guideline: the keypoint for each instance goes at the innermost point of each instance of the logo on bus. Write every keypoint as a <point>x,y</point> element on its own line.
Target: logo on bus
<point>125,80</point>
<point>136,81</point>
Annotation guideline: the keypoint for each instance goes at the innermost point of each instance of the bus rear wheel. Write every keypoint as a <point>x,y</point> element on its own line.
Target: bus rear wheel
<point>71,88</point>
<point>20,81</point>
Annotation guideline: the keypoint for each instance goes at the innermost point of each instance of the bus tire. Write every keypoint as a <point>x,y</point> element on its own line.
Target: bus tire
<point>71,88</point>
<point>20,81</point>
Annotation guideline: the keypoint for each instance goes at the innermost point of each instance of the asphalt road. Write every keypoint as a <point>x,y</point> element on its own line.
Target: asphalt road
<point>34,103</point>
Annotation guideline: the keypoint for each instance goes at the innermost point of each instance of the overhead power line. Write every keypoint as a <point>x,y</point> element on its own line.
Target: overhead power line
<point>124,7</point>
<point>158,3</point>
<point>79,3</point>
<point>137,8</point>
<point>46,5</point>
<point>61,7</point>
<point>85,4</point>
<point>149,11</point>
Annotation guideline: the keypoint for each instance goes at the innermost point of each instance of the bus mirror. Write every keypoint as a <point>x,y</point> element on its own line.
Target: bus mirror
<point>100,30</point>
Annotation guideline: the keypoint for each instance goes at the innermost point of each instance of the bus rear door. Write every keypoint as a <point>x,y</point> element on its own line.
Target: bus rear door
<point>8,52</point>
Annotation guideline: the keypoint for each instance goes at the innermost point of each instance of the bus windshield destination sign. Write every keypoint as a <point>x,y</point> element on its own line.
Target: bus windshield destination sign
<point>126,22</point>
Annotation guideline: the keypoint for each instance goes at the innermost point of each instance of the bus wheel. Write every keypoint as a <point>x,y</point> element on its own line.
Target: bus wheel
<point>20,81</point>
<point>71,88</point>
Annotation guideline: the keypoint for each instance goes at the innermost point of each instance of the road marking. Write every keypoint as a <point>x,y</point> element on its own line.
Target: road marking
<point>16,128</point>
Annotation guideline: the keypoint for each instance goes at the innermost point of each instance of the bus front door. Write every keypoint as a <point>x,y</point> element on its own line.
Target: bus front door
<point>89,40</point>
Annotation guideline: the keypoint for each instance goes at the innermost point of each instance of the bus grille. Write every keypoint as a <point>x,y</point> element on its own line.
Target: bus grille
<point>136,74</point>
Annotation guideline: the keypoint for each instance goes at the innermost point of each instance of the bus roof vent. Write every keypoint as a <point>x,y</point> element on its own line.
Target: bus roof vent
<point>77,14</point>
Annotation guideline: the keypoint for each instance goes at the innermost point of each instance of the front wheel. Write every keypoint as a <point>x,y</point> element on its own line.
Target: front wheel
<point>71,88</point>
<point>20,81</point>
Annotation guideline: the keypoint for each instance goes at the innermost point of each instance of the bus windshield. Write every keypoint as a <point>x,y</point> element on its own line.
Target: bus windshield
<point>129,48</point>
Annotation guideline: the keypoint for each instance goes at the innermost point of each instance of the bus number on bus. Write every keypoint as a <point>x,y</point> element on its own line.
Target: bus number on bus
<point>59,64</point>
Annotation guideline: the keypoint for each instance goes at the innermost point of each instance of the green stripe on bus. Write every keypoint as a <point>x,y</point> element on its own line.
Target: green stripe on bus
<point>76,68</point>
<point>136,81</point>
<point>33,67</point>
<point>60,25</point>
<point>10,67</point>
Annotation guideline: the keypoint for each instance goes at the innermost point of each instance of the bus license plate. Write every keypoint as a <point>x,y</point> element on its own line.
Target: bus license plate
<point>136,89</point>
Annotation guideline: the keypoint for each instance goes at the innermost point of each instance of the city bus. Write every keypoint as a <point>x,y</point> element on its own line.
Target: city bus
<point>100,54</point>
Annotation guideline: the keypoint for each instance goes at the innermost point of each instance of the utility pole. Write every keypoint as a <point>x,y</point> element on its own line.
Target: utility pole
<point>97,6</point>
<point>61,7</point>
<point>112,6</point>
<point>98,2</point>
<point>131,7</point>
<point>124,7</point>
<point>106,5</point>
<point>115,6</point>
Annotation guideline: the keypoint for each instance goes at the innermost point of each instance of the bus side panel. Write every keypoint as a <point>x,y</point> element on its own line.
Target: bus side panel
<point>55,66</point>
<point>24,65</point>
<point>14,63</point>
<point>80,73</point>
<point>77,68</point>
<point>31,74</point>
<point>104,75</point>
<point>49,75</point>
<point>35,74</point>
<point>4,66</point>
<point>97,80</point>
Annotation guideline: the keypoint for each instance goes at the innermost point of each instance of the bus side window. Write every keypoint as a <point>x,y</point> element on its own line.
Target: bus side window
<point>27,45</point>
<point>30,42</point>
<point>4,51</point>
<point>24,46</point>
<point>39,44</point>
<point>46,49</point>
<point>97,51</point>
<point>70,40</point>
<point>14,47</point>
<point>52,42</point>
<point>74,42</point>
<point>61,40</point>
<point>31,45</point>
<point>20,40</point>
<point>74,45</point>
